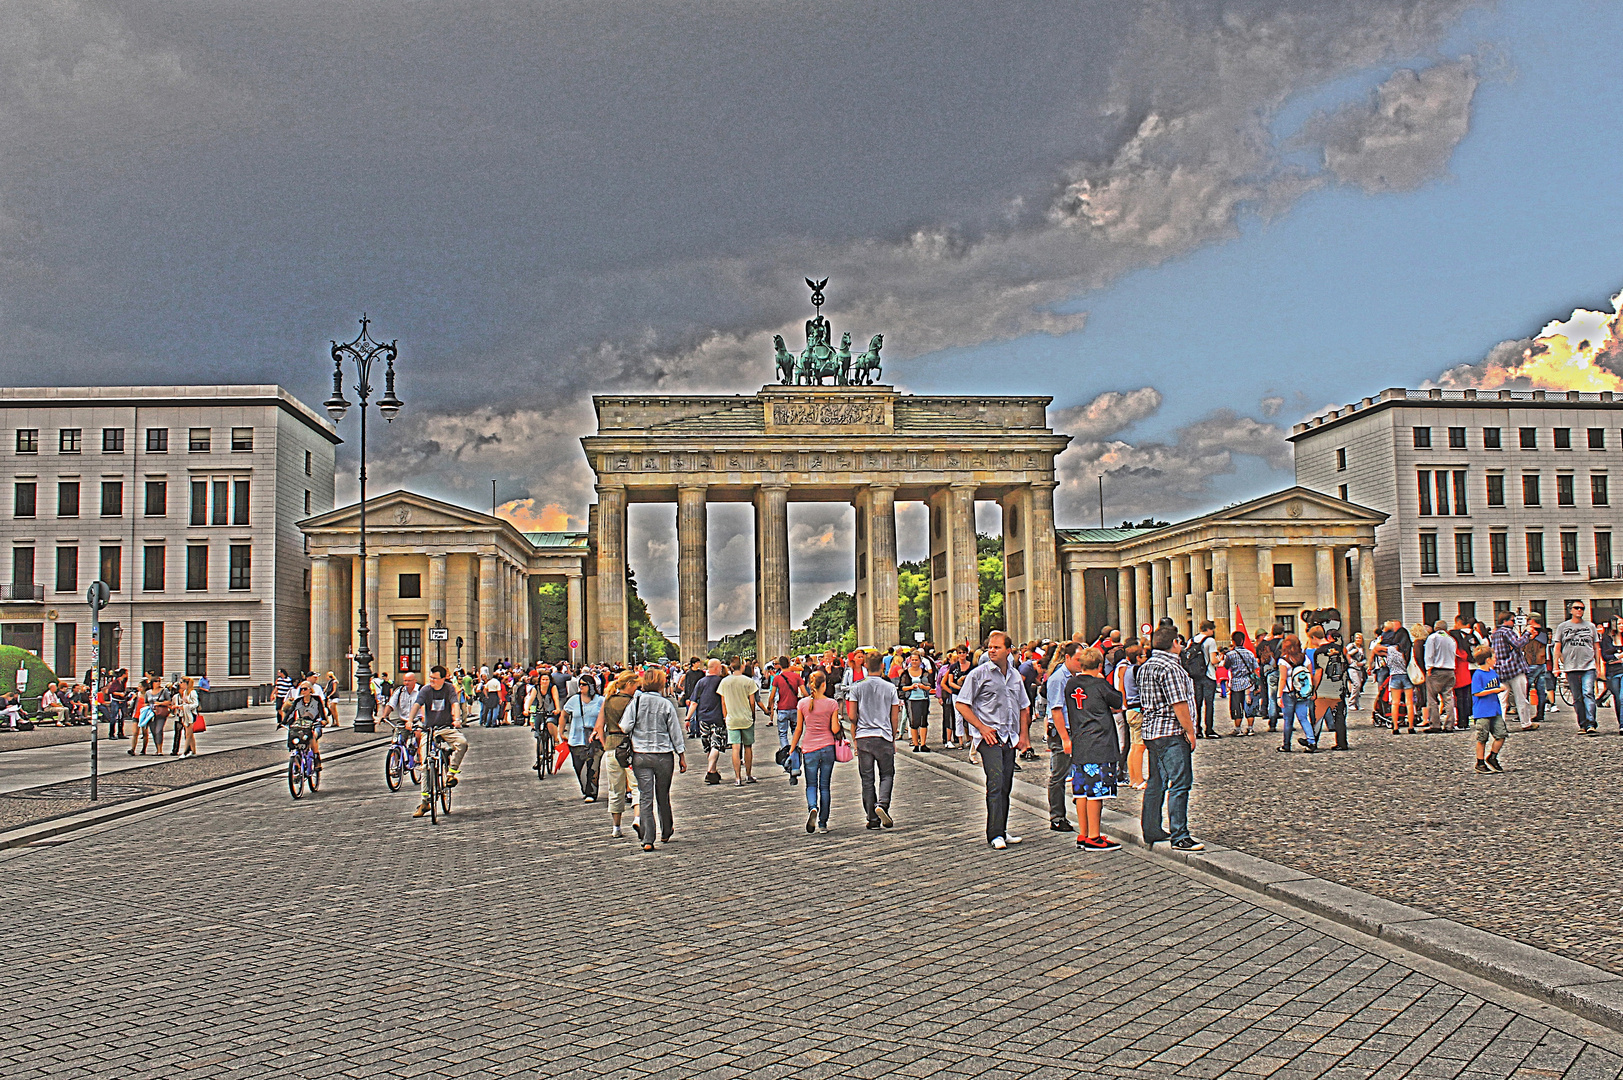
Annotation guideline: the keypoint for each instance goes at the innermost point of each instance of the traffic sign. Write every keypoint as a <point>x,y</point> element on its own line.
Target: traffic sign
<point>96,595</point>
<point>439,633</point>
<point>574,644</point>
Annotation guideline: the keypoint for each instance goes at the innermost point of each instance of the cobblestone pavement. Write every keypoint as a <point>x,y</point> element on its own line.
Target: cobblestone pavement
<point>249,935</point>
<point>1535,853</point>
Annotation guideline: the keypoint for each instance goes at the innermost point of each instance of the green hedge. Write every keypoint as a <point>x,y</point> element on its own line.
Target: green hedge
<point>39,675</point>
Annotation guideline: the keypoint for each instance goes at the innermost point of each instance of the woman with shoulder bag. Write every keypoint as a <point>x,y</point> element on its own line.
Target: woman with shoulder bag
<point>818,731</point>
<point>657,749</point>
<point>582,709</point>
<point>186,701</point>
<point>616,760</point>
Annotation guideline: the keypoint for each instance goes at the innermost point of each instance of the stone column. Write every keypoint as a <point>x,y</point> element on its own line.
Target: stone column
<point>882,587</point>
<point>1222,609</point>
<point>1177,591</point>
<point>575,616</point>
<point>1141,598</point>
<point>1265,587</point>
<point>1125,614</point>
<point>1367,613</point>
<point>1324,576</point>
<point>611,574</point>
<point>489,602</point>
<point>772,558</point>
<point>1158,590</point>
<point>436,588</point>
<point>1343,602</point>
<point>692,571</point>
<point>1042,563</point>
<point>382,655</point>
<point>1077,583</point>
<point>321,620</point>
<point>961,568</point>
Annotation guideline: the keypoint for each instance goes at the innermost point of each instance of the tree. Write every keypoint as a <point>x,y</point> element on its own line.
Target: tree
<point>1147,523</point>
<point>989,565</point>
<point>739,644</point>
<point>643,638</point>
<point>913,592</point>
<point>552,617</point>
<point>827,625</point>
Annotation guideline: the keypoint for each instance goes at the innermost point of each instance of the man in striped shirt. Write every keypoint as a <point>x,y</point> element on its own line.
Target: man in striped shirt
<point>1165,692</point>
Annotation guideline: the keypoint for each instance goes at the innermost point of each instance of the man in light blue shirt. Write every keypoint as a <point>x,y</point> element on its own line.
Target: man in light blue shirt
<point>1059,760</point>
<point>994,705</point>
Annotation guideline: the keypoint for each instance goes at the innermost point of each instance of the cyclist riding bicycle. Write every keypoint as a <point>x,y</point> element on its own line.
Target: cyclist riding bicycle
<point>303,716</point>
<point>437,704</point>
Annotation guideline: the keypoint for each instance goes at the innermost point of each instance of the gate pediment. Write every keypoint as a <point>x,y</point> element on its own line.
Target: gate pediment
<point>803,410</point>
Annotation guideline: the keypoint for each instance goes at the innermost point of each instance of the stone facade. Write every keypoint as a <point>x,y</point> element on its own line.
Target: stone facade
<point>868,446</point>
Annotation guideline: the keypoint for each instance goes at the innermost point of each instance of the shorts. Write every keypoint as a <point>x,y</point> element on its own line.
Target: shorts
<point>1135,726</point>
<point>1095,781</point>
<point>741,736</point>
<point>713,735</point>
<point>1491,727</point>
<point>1400,680</point>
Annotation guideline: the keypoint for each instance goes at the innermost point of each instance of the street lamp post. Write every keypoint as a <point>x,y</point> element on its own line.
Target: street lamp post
<point>364,352</point>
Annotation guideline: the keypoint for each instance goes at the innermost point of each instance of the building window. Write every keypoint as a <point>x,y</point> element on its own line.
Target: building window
<point>1569,553</point>
<point>1422,438</point>
<point>157,440</point>
<point>68,440</point>
<point>1464,555</point>
<point>112,440</point>
<point>1535,553</point>
<point>1499,552</point>
<point>411,586</point>
<point>112,498</point>
<point>1428,553</point>
<point>1597,490</point>
<point>157,498</point>
<point>1341,460</point>
<point>1431,612</point>
<point>1283,577</point>
<point>67,569</point>
<point>1456,438</point>
<point>1563,438</point>
<point>306,502</point>
<point>1563,489</point>
<point>200,502</point>
<point>1341,491</point>
<point>409,648</point>
<point>152,647</point>
<point>242,438</point>
<point>1468,611</point>
<point>222,503</point>
<point>1529,438</point>
<point>197,648</point>
<point>1442,492</point>
<point>1500,607</point>
<point>308,461</point>
<point>152,568</point>
<point>28,440</point>
<point>67,643</point>
<point>1490,438</point>
<point>1460,507</point>
<point>23,499</point>
<point>1597,438</point>
<point>1530,489</point>
<point>198,439</point>
<point>241,565</point>
<point>1496,489</point>
<point>1603,555</point>
<point>239,502</point>
<point>22,569</point>
<point>197,567</point>
<point>1424,478</point>
<point>1541,608</point>
<point>236,648</point>
<point>112,567</point>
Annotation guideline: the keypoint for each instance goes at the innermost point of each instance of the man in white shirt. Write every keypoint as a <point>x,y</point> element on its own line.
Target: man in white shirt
<point>1440,652</point>
<point>877,710</point>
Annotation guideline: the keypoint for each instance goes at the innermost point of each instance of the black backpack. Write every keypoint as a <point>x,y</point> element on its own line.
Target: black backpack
<point>1193,658</point>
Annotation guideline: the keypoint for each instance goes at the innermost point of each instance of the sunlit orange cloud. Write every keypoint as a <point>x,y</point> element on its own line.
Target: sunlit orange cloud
<point>1581,352</point>
<point>526,516</point>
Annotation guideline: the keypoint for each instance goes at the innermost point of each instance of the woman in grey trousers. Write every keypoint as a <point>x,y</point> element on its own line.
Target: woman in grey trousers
<point>658,750</point>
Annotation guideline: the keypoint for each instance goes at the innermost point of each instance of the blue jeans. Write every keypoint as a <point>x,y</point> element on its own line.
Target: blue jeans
<point>1270,696</point>
<point>1299,713</point>
<point>786,731</point>
<point>1172,774</point>
<point>1538,678</point>
<point>1614,683</point>
<point>1582,685</point>
<point>491,714</point>
<point>819,766</point>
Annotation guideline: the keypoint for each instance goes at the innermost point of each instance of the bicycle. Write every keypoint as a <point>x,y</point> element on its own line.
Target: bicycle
<point>436,771</point>
<point>545,751</point>
<point>302,765</point>
<point>401,760</point>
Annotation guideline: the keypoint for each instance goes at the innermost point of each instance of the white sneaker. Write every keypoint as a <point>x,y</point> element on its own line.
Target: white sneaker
<point>617,833</point>
<point>1011,838</point>
<point>998,843</point>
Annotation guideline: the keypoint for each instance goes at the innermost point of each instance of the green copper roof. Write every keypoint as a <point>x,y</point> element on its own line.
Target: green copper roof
<point>1098,536</point>
<point>556,539</point>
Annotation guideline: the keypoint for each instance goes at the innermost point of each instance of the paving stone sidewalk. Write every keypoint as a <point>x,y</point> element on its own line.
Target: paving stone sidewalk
<point>248,935</point>
<point>1534,853</point>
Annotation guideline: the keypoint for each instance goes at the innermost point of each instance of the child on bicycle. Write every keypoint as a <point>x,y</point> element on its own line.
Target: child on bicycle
<point>303,716</point>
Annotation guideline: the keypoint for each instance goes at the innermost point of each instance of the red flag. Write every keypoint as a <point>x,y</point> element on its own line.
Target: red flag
<point>1239,626</point>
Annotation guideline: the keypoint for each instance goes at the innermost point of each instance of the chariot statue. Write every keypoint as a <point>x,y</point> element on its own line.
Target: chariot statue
<point>820,360</point>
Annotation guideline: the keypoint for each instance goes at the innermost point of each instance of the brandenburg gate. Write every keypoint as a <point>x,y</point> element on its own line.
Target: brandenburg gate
<point>867,445</point>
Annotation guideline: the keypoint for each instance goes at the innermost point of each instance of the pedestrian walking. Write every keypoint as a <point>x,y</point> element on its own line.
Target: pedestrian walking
<point>186,702</point>
<point>876,711</point>
<point>817,728</point>
<point>606,732</point>
<point>1199,659</point>
<point>1487,714</point>
<point>1440,651</point>
<point>1510,666</point>
<point>658,752</point>
<point>1296,695</point>
<point>706,718</point>
<point>1065,661</point>
<point>1124,677</point>
<point>948,683</point>
<point>1165,691</point>
<point>584,753</point>
<point>787,690</point>
<point>997,712</point>
<point>737,692</point>
<point>1574,660</point>
<point>1241,663</point>
<point>1088,730</point>
<point>1611,657</point>
<point>914,688</point>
